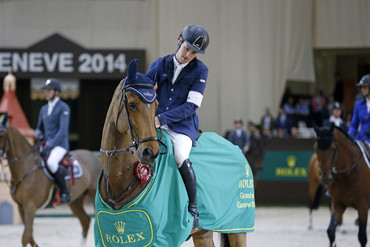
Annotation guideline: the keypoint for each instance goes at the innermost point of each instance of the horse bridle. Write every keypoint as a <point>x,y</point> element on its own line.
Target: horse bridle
<point>335,151</point>
<point>134,145</point>
<point>13,187</point>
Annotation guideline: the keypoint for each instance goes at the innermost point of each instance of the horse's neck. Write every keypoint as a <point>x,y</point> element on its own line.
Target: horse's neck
<point>348,153</point>
<point>18,145</point>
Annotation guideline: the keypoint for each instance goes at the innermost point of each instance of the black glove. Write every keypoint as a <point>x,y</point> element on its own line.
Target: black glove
<point>40,137</point>
<point>352,137</point>
<point>45,151</point>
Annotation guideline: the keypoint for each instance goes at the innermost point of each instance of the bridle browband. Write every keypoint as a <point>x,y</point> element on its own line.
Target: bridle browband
<point>134,145</point>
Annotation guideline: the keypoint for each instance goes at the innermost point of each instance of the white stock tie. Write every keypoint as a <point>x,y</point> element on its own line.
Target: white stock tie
<point>176,73</point>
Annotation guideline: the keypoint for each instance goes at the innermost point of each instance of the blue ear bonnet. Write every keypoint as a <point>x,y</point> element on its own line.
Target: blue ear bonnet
<point>139,83</point>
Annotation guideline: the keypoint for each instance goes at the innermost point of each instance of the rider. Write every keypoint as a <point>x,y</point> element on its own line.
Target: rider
<point>181,81</point>
<point>52,127</point>
<point>361,113</point>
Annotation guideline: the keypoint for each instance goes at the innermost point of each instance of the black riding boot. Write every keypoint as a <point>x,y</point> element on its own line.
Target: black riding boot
<point>59,180</point>
<point>188,175</point>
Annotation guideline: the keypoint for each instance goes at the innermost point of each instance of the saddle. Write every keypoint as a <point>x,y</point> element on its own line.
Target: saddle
<point>67,162</point>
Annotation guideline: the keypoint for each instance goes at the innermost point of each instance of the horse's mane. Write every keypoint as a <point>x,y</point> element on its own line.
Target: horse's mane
<point>341,130</point>
<point>19,134</point>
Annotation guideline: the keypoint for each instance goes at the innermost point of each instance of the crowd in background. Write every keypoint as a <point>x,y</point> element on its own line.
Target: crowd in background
<point>295,117</point>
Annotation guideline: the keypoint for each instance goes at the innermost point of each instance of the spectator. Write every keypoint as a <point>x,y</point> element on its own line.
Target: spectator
<point>267,123</point>
<point>318,104</point>
<point>336,116</point>
<point>289,106</point>
<point>239,136</point>
<point>301,107</point>
<point>283,124</point>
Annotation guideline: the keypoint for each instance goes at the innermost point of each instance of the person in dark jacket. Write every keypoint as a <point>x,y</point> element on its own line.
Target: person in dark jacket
<point>239,136</point>
<point>181,80</point>
<point>52,128</point>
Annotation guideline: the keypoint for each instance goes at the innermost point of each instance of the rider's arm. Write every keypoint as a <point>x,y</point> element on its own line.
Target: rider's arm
<point>194,100</point>
<point>355,122</point>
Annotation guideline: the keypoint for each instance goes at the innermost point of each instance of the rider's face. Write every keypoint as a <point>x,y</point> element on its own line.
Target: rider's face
<point>185,54</point>
<point>365,90</point>
<point>49,93</point>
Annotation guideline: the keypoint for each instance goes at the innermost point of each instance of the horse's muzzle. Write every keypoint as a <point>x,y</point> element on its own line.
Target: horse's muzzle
<point>327,179</point>
<point>147,156</point>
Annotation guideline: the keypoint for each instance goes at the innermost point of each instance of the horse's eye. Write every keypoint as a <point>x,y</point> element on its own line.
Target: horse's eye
<point>132,105</point>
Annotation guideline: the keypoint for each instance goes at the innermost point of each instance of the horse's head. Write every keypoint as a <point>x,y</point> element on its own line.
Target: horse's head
<point>136,114</point>
<point>3,133</point>
<point>325,148</point>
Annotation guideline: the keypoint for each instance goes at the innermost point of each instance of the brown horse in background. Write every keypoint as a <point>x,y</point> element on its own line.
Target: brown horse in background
<point>316,189</point>
<point>347,176</point>
<point>31,189</point>
<point>129,135</point>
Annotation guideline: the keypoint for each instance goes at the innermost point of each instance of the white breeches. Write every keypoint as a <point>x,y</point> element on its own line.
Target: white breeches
<point>56,155</point>
<point>181,145</point>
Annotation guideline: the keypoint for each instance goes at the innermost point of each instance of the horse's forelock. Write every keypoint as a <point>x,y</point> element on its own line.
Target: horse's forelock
<point>324,137</point>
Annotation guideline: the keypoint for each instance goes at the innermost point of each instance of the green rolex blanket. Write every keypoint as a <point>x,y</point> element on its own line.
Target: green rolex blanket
<point>159,216</point>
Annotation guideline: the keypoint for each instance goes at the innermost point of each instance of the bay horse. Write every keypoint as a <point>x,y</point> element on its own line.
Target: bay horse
<point>31,189</point>
<point>129,143</point>
<point>316,189</point>
<point>347,176</point>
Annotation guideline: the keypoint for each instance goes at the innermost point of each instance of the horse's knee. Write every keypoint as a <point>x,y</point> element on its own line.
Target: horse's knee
<point>238,239</point>
<point>203,238</point>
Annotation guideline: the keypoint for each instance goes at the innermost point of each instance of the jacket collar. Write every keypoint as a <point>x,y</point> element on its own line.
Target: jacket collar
<point>170,67</point>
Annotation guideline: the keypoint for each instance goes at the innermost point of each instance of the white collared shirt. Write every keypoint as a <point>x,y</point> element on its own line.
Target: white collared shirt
<point>52,104</point>
<point>177,69</point>
<point>368,104</point>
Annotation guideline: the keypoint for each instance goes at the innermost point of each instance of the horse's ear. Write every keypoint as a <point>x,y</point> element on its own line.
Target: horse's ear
<point>315,127</point>
<point>332,126</point>
<point>4,119</point>
<point>132,69</point>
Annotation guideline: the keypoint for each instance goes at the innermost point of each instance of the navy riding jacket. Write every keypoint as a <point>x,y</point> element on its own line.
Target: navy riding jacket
<point>178,102</point>
<point>55,126</point>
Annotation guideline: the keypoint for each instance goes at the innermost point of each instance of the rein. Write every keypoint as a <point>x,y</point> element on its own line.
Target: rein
<point>134,145</point>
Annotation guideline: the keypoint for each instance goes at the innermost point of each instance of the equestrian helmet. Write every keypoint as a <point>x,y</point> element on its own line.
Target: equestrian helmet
<point>336,105</point>
<point>365,81</point>
<point>196,37</point>
<point>53,84</point>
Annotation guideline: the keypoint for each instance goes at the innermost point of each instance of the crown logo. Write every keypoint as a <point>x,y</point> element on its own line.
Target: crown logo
<point>247,170</point>
<point>120,226</point>
<point>291,160</point>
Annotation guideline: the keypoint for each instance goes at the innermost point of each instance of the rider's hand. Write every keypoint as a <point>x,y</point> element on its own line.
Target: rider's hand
<point>40,137</point>
<point>46,151</point>
<point>352,137</point>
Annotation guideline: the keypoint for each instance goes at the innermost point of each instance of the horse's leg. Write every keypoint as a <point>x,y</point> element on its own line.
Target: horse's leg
<point>203,238</point>
<point>362,223</point>
<point>78,210</point>
<point>336,218</point>
<point>238,239</point>
<point>224,240</point>
<point>27,237</point>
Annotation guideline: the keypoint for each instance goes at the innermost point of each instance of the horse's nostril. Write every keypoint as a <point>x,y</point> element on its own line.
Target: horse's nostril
<point>148,153</point>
